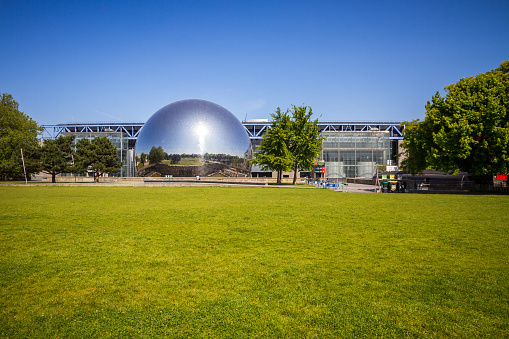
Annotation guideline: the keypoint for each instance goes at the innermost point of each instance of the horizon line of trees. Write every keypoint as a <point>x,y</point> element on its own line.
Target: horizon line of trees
<point>158,155</point>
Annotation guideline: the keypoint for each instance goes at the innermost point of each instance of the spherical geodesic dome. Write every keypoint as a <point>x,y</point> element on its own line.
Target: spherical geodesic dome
<point>198,129</point>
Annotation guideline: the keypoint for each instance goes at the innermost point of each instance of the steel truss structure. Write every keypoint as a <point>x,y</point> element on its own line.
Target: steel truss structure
<point>132,129</point>
<point>254,130</point>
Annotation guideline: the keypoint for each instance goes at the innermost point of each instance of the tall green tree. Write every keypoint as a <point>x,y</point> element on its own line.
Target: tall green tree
<point>156,155</point>
<point>305,140</point>
<point>98,155</point>
<point>56,155</point>
<point>17,131</point>
<point>273,153</point>
<point>467,130</point>
<point>175,158</point>
<point>143,159</point>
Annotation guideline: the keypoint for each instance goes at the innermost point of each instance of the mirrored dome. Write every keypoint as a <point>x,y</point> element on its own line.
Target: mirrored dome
<point>194,137</point>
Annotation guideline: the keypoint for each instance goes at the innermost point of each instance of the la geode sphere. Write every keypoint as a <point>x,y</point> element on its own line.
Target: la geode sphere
<point>198,137</point>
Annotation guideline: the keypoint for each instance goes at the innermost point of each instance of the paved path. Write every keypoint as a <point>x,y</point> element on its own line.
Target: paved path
<point>356,188</point>
<point>351,188</point>
<point>360,188</point>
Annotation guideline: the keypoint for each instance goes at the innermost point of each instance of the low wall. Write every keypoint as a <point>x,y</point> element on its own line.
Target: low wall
<point>361,181</point>
<point>183,171</point>
<point>71,179</point>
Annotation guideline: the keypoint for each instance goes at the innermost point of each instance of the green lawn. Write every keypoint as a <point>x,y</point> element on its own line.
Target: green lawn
<point>251,262</point>
<point>185,162</point>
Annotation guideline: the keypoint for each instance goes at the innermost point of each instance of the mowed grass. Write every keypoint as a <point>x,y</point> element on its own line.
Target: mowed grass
<point>185,162</point>
<point>251,262</point>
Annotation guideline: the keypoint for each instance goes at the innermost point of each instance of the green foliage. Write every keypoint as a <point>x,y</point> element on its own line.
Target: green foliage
<point>292,142</point>
<point>186,161</point>
<point>210,262</point>
<point>175,158</point>
<point>99,155</point>
<point>56,155</point>
<point>273,153</point>
<point>143,158</point>
<point>305,142</point>
<point>17,131</point>
<point>465,131</point>
<point>503,67</point>
<point>156,155</point>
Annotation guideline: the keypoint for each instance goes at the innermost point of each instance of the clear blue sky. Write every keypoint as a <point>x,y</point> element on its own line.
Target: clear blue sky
<point>78,61</point>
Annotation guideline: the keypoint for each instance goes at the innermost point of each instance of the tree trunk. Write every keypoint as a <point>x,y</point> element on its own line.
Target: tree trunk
<point>53,177</point>
<point>279,177</point>
<point>295,175</point>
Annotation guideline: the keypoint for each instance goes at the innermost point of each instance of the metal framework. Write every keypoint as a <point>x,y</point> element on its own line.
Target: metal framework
<point>254,130</point>
<point>132,129</point>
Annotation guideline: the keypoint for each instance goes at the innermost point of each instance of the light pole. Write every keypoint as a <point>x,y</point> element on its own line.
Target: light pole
<point>24,170</point>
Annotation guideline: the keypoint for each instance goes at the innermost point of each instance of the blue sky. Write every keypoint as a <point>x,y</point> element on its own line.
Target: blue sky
<point>91,61</point>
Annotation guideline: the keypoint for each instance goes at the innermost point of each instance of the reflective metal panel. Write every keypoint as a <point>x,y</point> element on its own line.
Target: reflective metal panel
<point>196,133</point>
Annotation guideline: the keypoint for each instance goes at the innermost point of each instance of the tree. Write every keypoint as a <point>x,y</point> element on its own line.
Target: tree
<point>305,141</point>
<point>156,155</point>
<point>98,155</point>
<point>292,142</point>
<point>465,131</point>
<point>56,155</point>
<point>273,153</point>
<point>175,158</point>
<point>17,131</point>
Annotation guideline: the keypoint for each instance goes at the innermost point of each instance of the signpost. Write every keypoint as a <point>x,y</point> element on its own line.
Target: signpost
<point>319,168</point>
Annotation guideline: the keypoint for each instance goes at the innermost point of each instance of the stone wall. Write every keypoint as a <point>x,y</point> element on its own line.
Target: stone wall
<point>182,171</point>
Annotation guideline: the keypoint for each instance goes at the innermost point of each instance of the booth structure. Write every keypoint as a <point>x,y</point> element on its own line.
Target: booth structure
<point>392,183</point>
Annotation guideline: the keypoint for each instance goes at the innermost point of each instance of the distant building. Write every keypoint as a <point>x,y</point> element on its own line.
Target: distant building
<point>354,154</point>
<point>198,128</point>
<point>121,143</point>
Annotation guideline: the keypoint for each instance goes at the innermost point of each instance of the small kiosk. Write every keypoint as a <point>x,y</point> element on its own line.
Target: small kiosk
<point>391,181</point>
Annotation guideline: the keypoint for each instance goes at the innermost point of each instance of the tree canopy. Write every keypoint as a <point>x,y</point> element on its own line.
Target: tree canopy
<point>56,155</point>
<point>273,153</point>
<point>156,155</point>
<point>467,130</point>
<point>175,158</point>
<point>305,142</point>
<point>292,142</point>
<point>98,155</point>
<point>17,131</point>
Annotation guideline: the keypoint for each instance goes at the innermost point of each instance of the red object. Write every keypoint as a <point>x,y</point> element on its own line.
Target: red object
<point>501,176</point>
<point>323,169</point>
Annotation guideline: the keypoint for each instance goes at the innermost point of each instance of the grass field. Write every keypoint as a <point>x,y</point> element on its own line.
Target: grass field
<point>185,162</point>
<point>251,262</point>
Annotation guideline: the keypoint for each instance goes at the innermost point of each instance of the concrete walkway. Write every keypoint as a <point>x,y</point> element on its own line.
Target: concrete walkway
<point>351,188</point>
<point>355,188</point>
<point>360,188</point>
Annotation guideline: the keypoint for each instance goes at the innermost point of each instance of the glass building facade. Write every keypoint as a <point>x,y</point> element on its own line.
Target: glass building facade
<point>121,143</point>
<point>354,154</point>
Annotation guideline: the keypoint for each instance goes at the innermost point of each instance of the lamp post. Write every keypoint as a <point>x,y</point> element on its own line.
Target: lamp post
<point>24,170</point>
<point>73,170</point>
